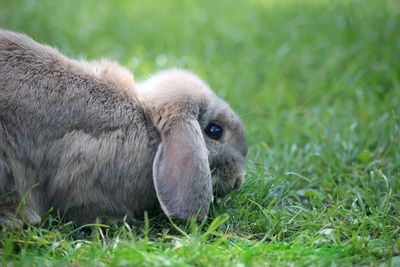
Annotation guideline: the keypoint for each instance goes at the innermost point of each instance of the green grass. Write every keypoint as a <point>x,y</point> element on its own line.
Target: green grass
<point>317,84</point>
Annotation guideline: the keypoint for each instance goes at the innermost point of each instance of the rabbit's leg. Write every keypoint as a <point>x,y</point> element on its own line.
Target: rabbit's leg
<point>8,210</point>
<point>8,195</point>
<point>14,210</point>
<point>15,207</point>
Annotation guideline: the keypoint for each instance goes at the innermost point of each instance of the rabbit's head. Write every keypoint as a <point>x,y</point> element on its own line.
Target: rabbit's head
<point>203,145</point>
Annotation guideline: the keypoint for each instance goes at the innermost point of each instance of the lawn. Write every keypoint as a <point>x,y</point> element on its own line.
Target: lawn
<point>317,85</point>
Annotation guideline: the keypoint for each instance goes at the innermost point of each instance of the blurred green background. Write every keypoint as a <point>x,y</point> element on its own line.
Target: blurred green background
<point>317,84</point>
<point>264,57</point>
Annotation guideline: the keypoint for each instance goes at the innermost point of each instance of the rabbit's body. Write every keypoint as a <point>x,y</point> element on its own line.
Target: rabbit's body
<point>63,135</point>
<point>81,138</point>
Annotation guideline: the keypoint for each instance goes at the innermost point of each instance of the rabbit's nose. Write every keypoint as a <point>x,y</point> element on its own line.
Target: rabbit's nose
<point>238,183</point>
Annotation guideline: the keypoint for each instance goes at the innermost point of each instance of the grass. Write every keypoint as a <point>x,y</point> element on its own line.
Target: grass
<point>317,84</point>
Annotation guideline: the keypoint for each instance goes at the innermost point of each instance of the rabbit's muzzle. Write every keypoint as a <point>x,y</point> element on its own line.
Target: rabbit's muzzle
<point>227,176</point>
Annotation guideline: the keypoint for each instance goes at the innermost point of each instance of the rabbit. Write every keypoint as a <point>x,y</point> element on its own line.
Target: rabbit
<point>87,141</point>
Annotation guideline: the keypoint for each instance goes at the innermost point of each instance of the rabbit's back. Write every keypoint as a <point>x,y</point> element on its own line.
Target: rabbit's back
<point>38,82</point>
<point>64,134</point>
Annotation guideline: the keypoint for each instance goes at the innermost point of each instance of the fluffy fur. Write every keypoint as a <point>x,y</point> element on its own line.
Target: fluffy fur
<point>83,139</point>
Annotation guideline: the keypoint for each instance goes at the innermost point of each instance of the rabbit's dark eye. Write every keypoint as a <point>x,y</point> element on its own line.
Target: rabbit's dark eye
<point>214,131</point>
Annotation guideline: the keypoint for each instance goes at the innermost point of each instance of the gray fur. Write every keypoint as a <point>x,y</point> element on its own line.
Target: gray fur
<point>81,138</point>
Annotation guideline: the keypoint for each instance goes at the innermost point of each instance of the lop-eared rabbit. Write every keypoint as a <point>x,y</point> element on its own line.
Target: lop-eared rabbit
<point>83,139</point>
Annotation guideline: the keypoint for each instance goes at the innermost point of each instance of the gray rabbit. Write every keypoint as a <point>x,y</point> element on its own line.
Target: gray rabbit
<point>87,141</point>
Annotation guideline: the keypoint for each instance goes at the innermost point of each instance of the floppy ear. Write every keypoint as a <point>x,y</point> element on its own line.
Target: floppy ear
<point>181,172</point>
